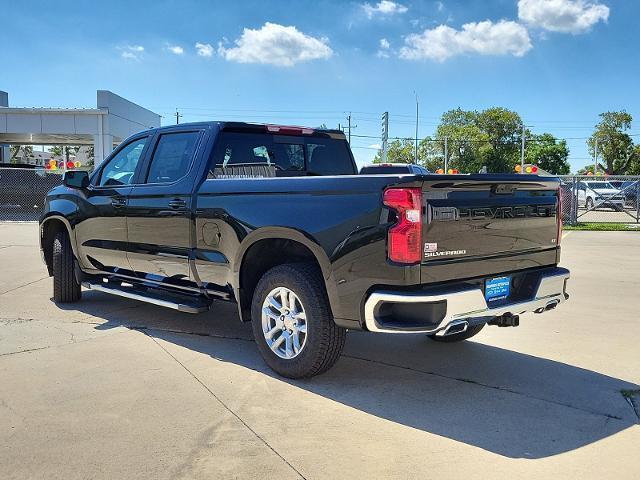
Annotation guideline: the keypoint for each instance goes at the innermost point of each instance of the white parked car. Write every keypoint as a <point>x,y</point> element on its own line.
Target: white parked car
<point>595,194</point>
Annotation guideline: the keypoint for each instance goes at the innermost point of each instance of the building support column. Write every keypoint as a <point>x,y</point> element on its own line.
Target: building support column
<point>4,149</point>
<point>102,147</point>
<point>102,143</point>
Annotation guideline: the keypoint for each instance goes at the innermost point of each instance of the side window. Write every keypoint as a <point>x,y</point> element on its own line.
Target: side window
<point>122,167</point>
<point>172,157</point>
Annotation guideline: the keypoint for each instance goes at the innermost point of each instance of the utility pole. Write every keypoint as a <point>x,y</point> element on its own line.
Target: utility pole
<point>416,155</point>
<point>595,157</point>
<point>522,150</point>
<point>349,127</point>
<point>385,135</point>
<point>177,117</point>
<point>446,154</point>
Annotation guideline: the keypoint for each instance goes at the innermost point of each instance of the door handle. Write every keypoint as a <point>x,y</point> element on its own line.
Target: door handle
<point>118,202</point>
<point>177,203</point>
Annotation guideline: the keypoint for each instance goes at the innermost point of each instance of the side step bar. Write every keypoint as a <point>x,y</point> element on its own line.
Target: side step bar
<point>182,305</point>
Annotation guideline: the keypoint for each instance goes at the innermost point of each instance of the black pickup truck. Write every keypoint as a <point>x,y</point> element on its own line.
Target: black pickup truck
<point>277,219</point>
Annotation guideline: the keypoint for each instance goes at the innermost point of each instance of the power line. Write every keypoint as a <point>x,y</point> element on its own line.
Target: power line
<point>375,115</point>
<point>475,140</point>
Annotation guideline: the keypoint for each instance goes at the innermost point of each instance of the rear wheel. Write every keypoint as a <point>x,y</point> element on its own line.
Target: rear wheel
<point>458,337</point>
<point>292,322</point>
<point>65,286</point>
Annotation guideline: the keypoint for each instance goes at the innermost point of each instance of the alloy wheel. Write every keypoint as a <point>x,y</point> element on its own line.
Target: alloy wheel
<point>284,323</point>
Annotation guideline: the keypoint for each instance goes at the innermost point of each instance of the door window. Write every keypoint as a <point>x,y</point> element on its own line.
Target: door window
<point>172,157</point>
<point>121,168</point>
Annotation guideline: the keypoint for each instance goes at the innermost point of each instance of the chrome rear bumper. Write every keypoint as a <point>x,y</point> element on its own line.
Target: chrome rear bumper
<point>467,304</point>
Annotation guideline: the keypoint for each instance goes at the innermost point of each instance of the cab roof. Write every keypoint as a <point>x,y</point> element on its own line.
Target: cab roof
<point>261,128</point>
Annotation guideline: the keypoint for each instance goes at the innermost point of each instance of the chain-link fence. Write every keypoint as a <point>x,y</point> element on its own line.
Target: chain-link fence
<point>22,192</point>
<point>585,199</point>
<point>598,199</point>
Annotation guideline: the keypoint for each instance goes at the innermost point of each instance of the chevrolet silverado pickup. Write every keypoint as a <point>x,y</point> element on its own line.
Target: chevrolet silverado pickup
<point>277,219</point>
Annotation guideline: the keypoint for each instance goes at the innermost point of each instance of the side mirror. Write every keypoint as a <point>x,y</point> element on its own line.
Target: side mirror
<point>76,179</point>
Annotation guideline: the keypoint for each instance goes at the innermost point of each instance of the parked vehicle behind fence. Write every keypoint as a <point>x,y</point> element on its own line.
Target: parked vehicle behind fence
<point>599,194</point>
<point>629,189</point>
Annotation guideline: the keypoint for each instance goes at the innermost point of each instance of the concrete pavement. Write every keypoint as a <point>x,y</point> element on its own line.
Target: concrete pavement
<point>112,388</point>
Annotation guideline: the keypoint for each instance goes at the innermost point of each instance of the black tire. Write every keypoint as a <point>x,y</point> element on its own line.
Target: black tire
<point>324,339</point>
<point>66,288</point>
<point>589,204</point>
<point>458,337</point>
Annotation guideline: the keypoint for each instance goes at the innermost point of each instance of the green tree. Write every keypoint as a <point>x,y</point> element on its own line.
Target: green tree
<point>488,138</point>
<point>398,151</point>
<point>464,139</point>
<point>614,146</point>
<point>503,131</point>
<point>66,150</point>
<point>91,156</point>
<point>548,153</point>
<point>23,150</point>
<point>634,165</point>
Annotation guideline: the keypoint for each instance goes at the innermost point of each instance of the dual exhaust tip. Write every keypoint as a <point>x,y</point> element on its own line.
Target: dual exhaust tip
<point>506,320</point>
<point>460,326</point>
<point>548,306</point>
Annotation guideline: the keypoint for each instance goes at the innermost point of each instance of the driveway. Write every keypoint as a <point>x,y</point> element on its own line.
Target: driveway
<point>111,388</point>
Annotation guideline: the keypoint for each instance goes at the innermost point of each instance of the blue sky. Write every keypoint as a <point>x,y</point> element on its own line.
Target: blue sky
<point>557,62</point>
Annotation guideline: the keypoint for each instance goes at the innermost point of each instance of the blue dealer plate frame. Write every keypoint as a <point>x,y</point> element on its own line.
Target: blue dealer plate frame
<point>497,288</point>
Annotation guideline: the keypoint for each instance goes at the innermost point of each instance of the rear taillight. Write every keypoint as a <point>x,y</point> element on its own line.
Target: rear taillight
<point>559,216</point>
<point>405,237</point>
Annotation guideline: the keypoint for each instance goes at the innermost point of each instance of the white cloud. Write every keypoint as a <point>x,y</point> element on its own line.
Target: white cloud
<point>384,7</point>
<point>204,49</point>
<point>383,51</point>
<point>439,6</point>
<point>276,45</point>
<point>176,49</point>
<point>568,16</point>
<point>375,145</point>
<point>484,38</point>
<point>132,52</point>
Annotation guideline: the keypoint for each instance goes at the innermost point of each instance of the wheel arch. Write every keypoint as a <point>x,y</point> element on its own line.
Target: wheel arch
<point>49,228</point>
<point>266,248</point>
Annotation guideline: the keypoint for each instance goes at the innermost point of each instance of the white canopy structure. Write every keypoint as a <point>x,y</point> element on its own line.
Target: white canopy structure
<point>113,120</point>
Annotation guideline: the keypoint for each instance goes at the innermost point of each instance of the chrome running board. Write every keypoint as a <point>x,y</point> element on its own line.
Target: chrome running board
<point>187,305</point>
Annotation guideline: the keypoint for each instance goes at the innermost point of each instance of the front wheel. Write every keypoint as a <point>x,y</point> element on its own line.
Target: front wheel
<point>458,337</point>
<point>65,286</point>
<point>292,322</point>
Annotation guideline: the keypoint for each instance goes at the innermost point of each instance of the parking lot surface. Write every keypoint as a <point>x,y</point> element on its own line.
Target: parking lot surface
<point>112,388</point>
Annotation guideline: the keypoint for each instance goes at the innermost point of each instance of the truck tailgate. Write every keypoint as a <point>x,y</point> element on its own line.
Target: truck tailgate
<point>508,218</point>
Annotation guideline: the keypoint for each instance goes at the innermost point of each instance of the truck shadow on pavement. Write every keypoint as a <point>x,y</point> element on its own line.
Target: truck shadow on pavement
<point>508,403</point>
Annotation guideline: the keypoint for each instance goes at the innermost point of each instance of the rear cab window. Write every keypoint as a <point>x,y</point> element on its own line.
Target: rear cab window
<point>240,154</point>
<point>172,157</point>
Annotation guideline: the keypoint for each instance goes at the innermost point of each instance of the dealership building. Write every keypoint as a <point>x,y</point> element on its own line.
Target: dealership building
<point>103,127</point>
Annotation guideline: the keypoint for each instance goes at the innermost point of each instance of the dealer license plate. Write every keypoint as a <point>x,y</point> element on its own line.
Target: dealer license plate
<point>497,288</point>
